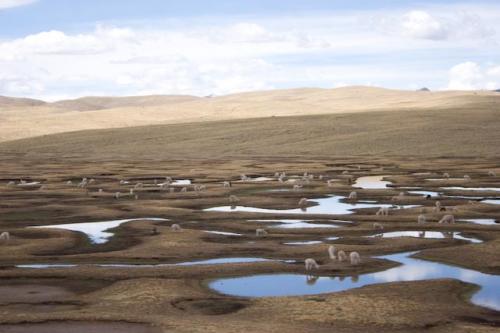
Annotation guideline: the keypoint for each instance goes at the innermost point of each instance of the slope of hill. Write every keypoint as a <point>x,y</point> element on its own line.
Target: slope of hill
<point>457,132</point>
<point>64,116</point>
<point>6,102</point>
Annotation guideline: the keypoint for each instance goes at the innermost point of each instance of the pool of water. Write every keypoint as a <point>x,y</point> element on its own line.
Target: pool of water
<point>271,285</point>
<point>329,205</point>
<point>372,182</point>
<point>224,233</point>
<point>425,193</point>
<point>303,243</point>
<point>96,231</point>
<point>426,234</point>
<point>481,221</point>
<point>216,261</point>
<point>459,188</point>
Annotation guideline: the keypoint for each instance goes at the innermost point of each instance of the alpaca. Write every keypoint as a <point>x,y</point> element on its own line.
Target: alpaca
<point>353,195</point>
<point>331,252</point>
<point>5,236</point>
<point>467,177</point>
<point>184,189</point>
<point>383,211</point>
<point>243,177</point>
<point>345,172</point>
<point>136,197</point>
<point>329,183</point>
<point>303,202</point>
<point>446,175</point>
<point>438,206</point>
<point>100,190</point>
<point>492,173</point>
<point>355,259</point>
<point>138,185</point>
<point>123,182</point>
<point>421,219</point>
<point>378,226</point>
<point>175,227</point>
<point>226,184</point>
<point>320,177</point>
<point>69,182</point>
<point>297,187</point>
<point>117,195</point>
<point>447,219</point>
<point>233,199</point>
<point>260,232</point>
<point>131,191</point>
<point>310,264</point>
<point>342,256</point>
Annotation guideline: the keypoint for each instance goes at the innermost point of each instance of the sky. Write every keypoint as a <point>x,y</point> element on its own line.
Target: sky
<point>57,49</point>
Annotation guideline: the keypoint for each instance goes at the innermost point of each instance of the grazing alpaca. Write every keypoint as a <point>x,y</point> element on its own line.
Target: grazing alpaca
<point>117,195</point>
<point>297,187</point>
<point>384,211</point>
<point>260,232</point>
<point>303,202</point>
<point>175,227</point>
<point>345,172</point>
<point>446,175</point>
<point>233,199</point>
<point>123,182</point>
<point>320,177</point>
<point>243,177</point>
<point>353,195</point>
<point>226,184</point>
<point>438,206</point>
<point>331,252</point>
<point>138,185</point>
<point>100,190</point>
<point>447,219</point>
<point>421,219</point>
<point>311,264</point>
<point>5,236</point>
<point>69,182</point>
<point>329,183</point>
<point>355,259</point>
<point>342,256</point>
<point>378,226</point>
<point>492,173</point>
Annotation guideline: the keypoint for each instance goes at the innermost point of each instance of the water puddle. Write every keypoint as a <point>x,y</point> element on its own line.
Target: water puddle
<point>216,261</point>
<point>329,205</point>
<point>481,221</point>
<point>372,182</point>
<point>271,285</point>
<point>96,231</point>
<point>224,233</point>
<point>303,243</point>
<point>426,234</point>
<point>425,193</point>
<point>459,188</point>
<point>298,224</point>
<point>492,201</point>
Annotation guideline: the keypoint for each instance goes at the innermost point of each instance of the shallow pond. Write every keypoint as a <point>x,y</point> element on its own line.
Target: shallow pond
<point>96,231</point>
<point>459,188</point>
<point>329,205</point>
<point>269,285</point>
<point>481,221</point>
<point>372,182</point>
<point>426,234</point>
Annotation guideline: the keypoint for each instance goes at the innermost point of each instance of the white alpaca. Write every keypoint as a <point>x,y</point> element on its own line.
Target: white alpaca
<point>355,259</point>
<point>69,182</point>
<point>492,173</point>
<point>131,191</point>
<point>243,177</point>
<point>447,219</point>
<point>467,177</point>
<point>233,199</point>
<point>342,256</point>
<point>421,219</point>
<point>297,187</point>
<point>311,264</point>
<point>345,172</point>
<point>5,236</point>
<point>260,232</point>
<point>378,226</point>
<point>138,185</point>
<point>332,252</point>
<point>383,211</point>
<point>320,177</point>
<point>136,197</point>
<point>100,190</point>
<point>446,175</point>
<point>438,206</point>
<point>329,183</point>
<point>303,202</point>
<point>353,195</point>
<point>123,182</point>
<point>175,227</point>
<point>226,184</point>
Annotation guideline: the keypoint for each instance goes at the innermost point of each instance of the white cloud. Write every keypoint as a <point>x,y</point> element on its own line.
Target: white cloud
<point>420,24</point>
<point>471,76</point>
<point>4,4</point>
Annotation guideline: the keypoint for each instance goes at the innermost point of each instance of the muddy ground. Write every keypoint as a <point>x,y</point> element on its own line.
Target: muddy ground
<point>87,298</point>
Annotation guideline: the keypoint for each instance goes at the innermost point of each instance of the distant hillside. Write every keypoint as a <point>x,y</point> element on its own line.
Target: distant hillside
<point>17,102</point>
<point>114,112</point>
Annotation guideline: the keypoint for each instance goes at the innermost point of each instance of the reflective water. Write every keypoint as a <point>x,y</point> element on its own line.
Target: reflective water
<point>300,224</point>
<point>96,231</point>
<point>371,182</point>
<point>425,193</point>
<point>459,188</point>
<point>181,182</point>
<point>329,205</point>
<point>492,201</point>
<point>236,260</point>
<point>303,243</point>
<point>268,285</point>
<point>426,234</point>
<point>481,221</point>
<point>224,233</point>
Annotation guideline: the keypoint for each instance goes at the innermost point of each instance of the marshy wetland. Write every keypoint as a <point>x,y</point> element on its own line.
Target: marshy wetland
<point>184,245</point>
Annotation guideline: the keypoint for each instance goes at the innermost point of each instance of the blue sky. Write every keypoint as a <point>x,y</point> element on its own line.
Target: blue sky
<point>53,49</point>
